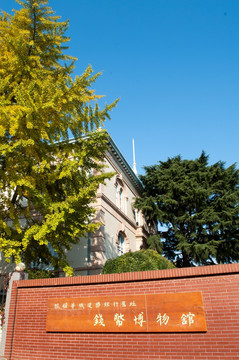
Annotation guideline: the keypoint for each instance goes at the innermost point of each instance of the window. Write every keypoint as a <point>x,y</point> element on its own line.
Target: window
<point>121,244</point>
<point>116,194</point>
<point>137,217</point>
<point>120,195</point>
<point>121,199</point>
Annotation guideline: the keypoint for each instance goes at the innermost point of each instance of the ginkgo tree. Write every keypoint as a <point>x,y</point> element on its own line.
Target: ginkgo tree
<point>47,182</point>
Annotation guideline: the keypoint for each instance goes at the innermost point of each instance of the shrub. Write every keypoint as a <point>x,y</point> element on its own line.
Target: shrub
<point>137,261</point>
<point>40,274</point>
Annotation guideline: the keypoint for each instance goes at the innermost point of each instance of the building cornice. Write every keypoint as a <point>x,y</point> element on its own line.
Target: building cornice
<point>116,153</point>
<point>104,198</point>
<point>114,150</point>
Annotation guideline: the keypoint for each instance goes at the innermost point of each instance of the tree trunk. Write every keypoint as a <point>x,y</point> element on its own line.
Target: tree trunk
<point>186,261</point>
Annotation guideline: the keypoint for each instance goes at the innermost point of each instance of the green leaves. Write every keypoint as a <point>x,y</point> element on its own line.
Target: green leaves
<point>45,187</point>
<point>199,205</point>
<point>142,260</point>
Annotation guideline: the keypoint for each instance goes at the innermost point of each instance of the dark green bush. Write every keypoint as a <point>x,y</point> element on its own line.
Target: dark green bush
<point>40,274</point>
<point>137,261</point>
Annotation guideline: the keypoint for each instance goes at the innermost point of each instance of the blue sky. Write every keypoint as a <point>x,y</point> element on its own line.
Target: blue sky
<point>174,64</point>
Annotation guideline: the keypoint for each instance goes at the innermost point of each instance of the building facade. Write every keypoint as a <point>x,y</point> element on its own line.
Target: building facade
<point>122,227</point>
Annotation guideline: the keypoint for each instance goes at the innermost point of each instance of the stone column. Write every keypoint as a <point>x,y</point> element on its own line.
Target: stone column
<point>16,275</point>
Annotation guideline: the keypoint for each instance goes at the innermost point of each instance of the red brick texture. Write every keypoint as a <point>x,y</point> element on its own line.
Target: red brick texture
<point>27,338</point>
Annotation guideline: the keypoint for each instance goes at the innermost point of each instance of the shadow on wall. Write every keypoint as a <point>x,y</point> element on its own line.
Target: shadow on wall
<point>110,247</point>
<point>106,249</point>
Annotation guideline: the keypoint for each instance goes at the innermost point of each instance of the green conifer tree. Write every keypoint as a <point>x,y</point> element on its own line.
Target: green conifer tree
<point>45,185</point>
<point>198,205</point>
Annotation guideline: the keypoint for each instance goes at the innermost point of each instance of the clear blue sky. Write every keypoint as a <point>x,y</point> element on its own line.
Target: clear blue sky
<point>173,63</point>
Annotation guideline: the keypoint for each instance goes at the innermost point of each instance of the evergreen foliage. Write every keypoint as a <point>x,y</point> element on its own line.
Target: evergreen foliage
<point>45,185</point>
<point>142,260</point>
<point>40,274</point>
<point>154,242</point>
<point>198,204</point>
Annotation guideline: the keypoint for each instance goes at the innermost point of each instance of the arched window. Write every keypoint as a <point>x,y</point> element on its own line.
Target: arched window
<point>117,194</point>
<point>137,217</point>
<point>121,244</point>
<point>121,203</point>
<point>120,194</point>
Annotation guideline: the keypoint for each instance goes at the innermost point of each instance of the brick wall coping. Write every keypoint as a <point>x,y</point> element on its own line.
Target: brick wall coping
<point>212,270</point>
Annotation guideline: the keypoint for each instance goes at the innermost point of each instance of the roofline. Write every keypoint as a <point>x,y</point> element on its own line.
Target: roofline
<point>117,153</point>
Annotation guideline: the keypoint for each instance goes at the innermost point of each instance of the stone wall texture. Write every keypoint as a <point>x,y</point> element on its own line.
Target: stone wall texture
<point>27,338</point>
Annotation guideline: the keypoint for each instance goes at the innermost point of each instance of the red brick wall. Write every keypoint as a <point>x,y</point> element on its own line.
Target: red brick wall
<point>28,340</point>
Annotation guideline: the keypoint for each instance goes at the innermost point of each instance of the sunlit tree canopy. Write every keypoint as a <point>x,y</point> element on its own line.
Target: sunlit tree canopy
<point>45,184</point>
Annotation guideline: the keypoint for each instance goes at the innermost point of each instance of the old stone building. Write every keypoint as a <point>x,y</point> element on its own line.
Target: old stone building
<point>123,228</point>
